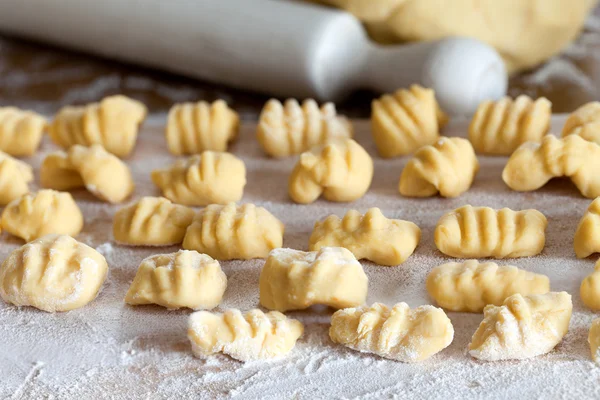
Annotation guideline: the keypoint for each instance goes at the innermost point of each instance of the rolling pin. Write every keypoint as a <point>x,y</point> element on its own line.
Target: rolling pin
<point>286,49</point>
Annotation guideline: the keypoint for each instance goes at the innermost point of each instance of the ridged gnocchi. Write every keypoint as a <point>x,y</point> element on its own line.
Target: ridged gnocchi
<point>112,123</point>
<point>234,232</point>
<point>594,339</point>
<point>532,165</point>
<point>52,273</point>
<point>152,221</point>
<point>207,178</point>
<point>523,327</point>
<point>470,286</point>
<point>287,129</point>
<point>590,289</point>
<point>406,120</point>
<point>499,127</point>
<point>183,279</point>
<point>253,335</point>
<point>587,236</point>
<point>100,172</point>
<point>398,333</point>
<point>195,127</point>
<point>478,232</point>
<point>20,131</point>
<point>295,280</point>
<point>584,122</point>
<point>372,236</point>
<point>15,176</point>
<point>447,167</point>
<point>38,214</point>
<point>341,171</point>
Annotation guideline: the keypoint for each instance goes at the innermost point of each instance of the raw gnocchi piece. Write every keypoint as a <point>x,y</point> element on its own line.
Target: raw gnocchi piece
<point>523,327</point>
<point>207,178</point>
<point>532,165</point>
<point>406,120</point>
<point>15,176</point>
<point>470,286</point>
<point>584,122</point>
<point>38,214</point>
<point>478,232</point>
<point>587,236</point>
<point>112,123</point>
<point>100,172</point>
<point>499,127</point>
<point>234,232</point>
<point>52,273</point>
<point>183,279</point>
<point>447,167</point>
<point>295,280</point>
<point>590,289</point>
<point>20,131</point>
<point>253,335</point>
<point>152,221</point>
<point>287,129</point>
<point>195,127</point>
<point>594,339</point>
<point>398,333</point>
<point>372,236</point>
<point>341,171</point>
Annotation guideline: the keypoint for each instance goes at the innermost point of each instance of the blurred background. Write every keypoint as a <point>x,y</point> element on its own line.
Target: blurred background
<point>44,78</point>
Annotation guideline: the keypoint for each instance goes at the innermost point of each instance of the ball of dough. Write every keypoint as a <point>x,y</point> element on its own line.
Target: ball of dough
<point>52,273</point>
<point>38,214</point>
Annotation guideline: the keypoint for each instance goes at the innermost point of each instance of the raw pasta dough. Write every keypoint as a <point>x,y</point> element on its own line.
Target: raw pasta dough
<point>15,176</point>
<point>584,122</point>
<point>587,236</point>
<point>20,131</point>
<point>590,289</point>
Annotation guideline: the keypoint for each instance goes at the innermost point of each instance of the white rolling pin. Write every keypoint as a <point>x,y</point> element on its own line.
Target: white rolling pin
<point>276,47</point>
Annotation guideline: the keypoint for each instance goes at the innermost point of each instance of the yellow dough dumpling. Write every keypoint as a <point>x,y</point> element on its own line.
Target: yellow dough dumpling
<point>398,333</point>
<point>20,131</point>
<point>183,279</point>
<point>584,122</point>
<point>152,221</point>
<point>15,176</point>
<point>195,127</point>
<point>372,236</point>
<point>208,178</point>
<point>253,335</point>
<point>590,289</point>
<point>594,339</point>
<point>38,214</point>
<point>587,236</point>
<point>52,273</point>
<point>112,123</point>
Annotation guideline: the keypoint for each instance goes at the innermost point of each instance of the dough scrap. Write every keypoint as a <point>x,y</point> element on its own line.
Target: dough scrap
<point>398,333</point>
<point>584,122</point>
<point>587,236</point>
<point>183,279</point>
<point>15,176</point>
<point>372,236</point>
<point>195,127</point>
<point>287,129</point>
<point>594,339</point>
<point>100,172</point>
<point>447,167</point>
<point>234,232</point>
<point>470,286</point>
<point>590,289</point>
<point>500,127</point>
<point>253,335</point>
<point>341,171</point>
<point>52,273</point>
<point>38,214</point>
<point>523,327</point>
<point>532,165</point>
<point>112,123</point>
<point>152,221</point>
<point>207,178</point>
<point>20,131</point>
<point>478,232</point>
<point>295,280</point>
<point>406,120</point>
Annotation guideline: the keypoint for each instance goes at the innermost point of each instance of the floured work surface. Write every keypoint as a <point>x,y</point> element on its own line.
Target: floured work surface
<point>111,350</point>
